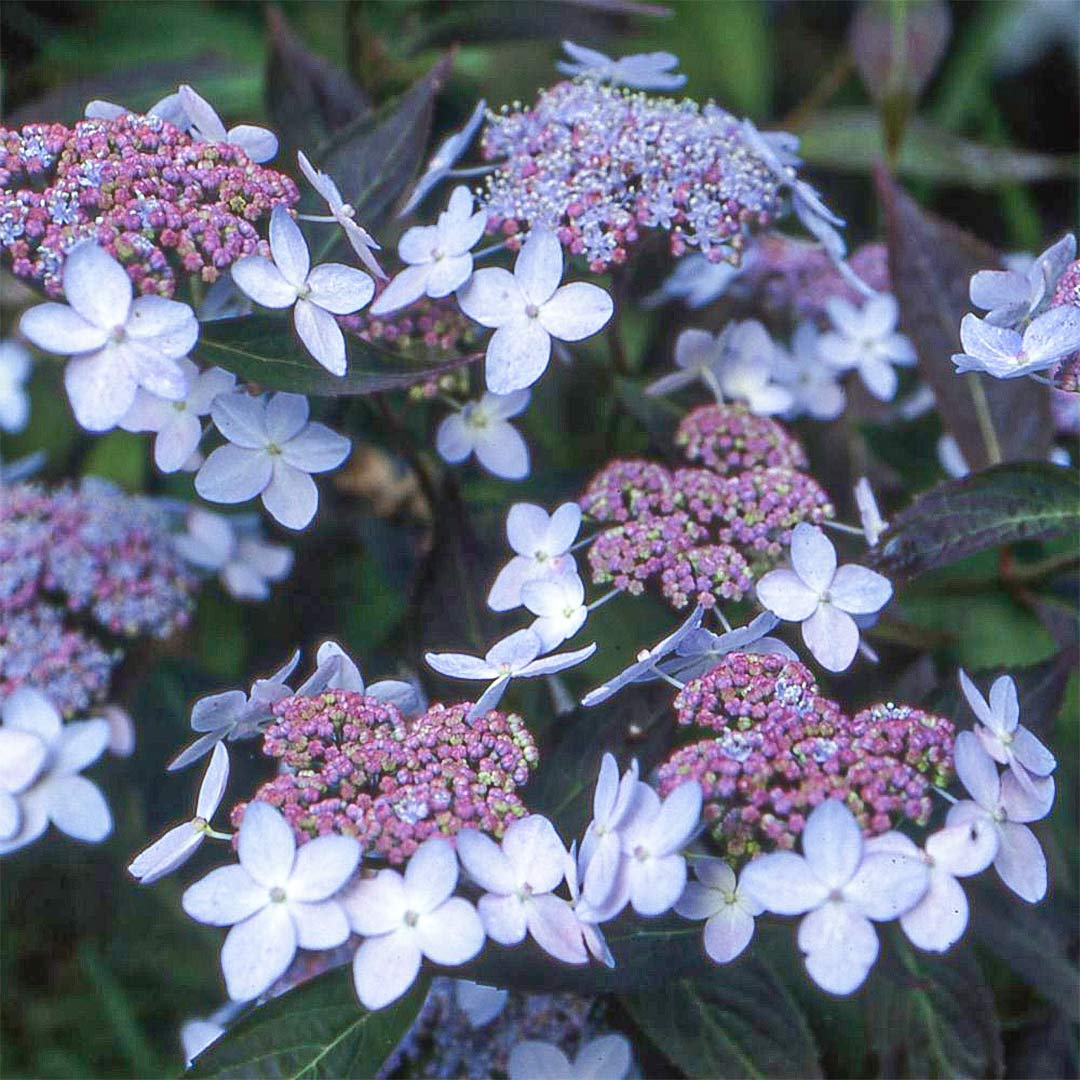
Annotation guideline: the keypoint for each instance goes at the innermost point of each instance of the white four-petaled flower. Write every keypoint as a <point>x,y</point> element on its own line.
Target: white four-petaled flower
<point>316,296</point>
<point>116,344</point>
<point>605,1058</point>
<point>720,900</point>
<point>542,543</point>
<point>814,386</point>
<point>176,423</point>
<point>1011,296</point>
<point>174,849</point>
<point>439,256</point>
<point>405,918</point>
<point>642,71</point>
<point>336,670</point>
<point>205,125</point>
<point>482,428</point>
<point>559,607</point>
<point>839,887</point>
<point>823,597</point>
<point>528,308</point>
<point>40,761</point>
<point>272,452</point>
<point>1005,353</point>
<point>866,339</point>
<point>277,899</point>
<point>520,876</point>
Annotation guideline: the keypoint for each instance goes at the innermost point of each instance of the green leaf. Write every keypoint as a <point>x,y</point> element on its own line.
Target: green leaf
<point>933,1016</point>
<point>316,1030</point>
<point>374,158</point>
<point>262,349</point>
<point>737,1021</point>
<point>851,141</point>
<point>931,262</point>
<point>1001,505</point>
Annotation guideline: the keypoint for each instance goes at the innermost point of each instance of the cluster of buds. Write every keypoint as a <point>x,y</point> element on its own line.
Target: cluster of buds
<point>356,766</point>
<point>703,533</point>
<point>92,550</point>
<point>424,326</point>
<point>1068,293</point>
<point>597,163</point>
<point>778,748</point>
<point>157,200</point>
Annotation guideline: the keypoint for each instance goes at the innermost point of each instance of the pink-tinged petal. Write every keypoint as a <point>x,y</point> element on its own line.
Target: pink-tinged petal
<point>677,820</point>
<point>385,967</point>
<point>319,925</point>
<point>859,591</point>
<point>22,755</point>
<point>177,441</point>
<point>1026,800</point>
<point>576,311</point>
<point>832,636</point>
<point>431,875</point>
<point>887,884</point>
<point>728,933</point>
<point>1031,753</point>
<point>57,328</point>
<point>266,848</point>
<point>291,498</point>
<point>31,711</point>
<point>976,770</point>
<point>257,952</point>
<point>563,528</point>
<point>1004,704</point>
<point>77,807</point>
<point>80,744</point>
<point>533,1060</point>
<point>783,883</point>
<point>321,335</point>
<point>225,896</point>
<point>539,266</point>
<point>316,449</point>
<point>97,286</point>
<point>339,289</point>
<point>503,451</point>
<point>100,387</point>
<point>503,917</point>
<point>259,144</point>
<point>977,702</point>
<point>233,475</point>
<point>783,593</point>
<point>454,439</point>
<point>517,355</point>
<point>938,921</point>
<point>492,297</point>
<point>715,874</point>
<point>505,594</point>
<point>448,274</point>
<point>700,902</point>
<point>963,849</point>
<point>406,288</point>
<point>288,247</point>
<point>840,946</point>
<point>485,862</point>
<point>257,277</point>
<point>451,934</point>
<point>813,557</point>
<point>832,843</point>
<point>555,928</point>
<point>1020,862</point>
<point>322,867</point>
<point>605,1058</point>
<point>535,853</point>
<point>163,856</point>
<point>213,784</point>
<point>375,905</point>
<point>656,883</point>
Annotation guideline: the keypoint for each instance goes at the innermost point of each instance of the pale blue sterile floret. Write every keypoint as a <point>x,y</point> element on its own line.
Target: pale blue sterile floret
<point>641,71</point>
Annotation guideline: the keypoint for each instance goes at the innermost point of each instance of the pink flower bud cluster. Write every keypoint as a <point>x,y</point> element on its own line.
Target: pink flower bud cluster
<point>155,199</point>
<point>703,534</point>
<point>443,1042</point>
<point>597,164</point>
<point>418,329</point>
<point>357,766</point>
<point>792,279</point>
<point>779,748</point>
<point>1068,293</point>
<point>102,551</point>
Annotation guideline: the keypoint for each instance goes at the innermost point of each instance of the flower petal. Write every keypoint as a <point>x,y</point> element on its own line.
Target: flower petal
<point>963,850</point>
<point>535,852</point>
<point>257,277</point>
<point>340,289</point>
<point>375,905</point>
<point>783,883</point>
<point>485,862</point>
<point>266,847</point>
<point>555,928</point>
<point>164,855</point>
<point>539,266</point>
<point>80,744</point>
<point>454,439</point>
<point>322,867</point>
<point>320,925</point>
<point>101,388</point>
<point>728,933</point>
<point>939,919</point>
<point>289,248</point>
<point>502,450</point>
<point>832,843</point>
<point>887,884</point>
<point>448,274</point>
<point>406,288</point>
<point>976,771</point>
<point>291,498</point>
<point>859,591</point>
<point>97,286</point>
<point>259,144</point>
<point>451,934</point>
<point>257,952</point>
<point>213,784</point>
<point>517,355</point>
<point>57,328</point>
<point>533,1060</point>
<point>316,449</point>
<point>321,335</point>
<point>503,917</point>
<point>31,711</point>
<point>813,557</point>
<point>225,896</point>
<point>840,946</point>
<point>234,475</point>
<point>784,594</point>
<point>1020,862</point>
<point>656,883</point>
<point>431,875</point>
<point>492,297</point>
<point>576,311</point>
<point>77,807</point>
<point>385,967</point>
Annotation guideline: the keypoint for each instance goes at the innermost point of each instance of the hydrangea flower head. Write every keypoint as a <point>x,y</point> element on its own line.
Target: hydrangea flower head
<point>730,438</point>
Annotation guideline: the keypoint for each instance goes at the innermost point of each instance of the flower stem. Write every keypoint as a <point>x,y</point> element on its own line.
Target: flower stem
<point>986,421</point>
<point>603,599</point>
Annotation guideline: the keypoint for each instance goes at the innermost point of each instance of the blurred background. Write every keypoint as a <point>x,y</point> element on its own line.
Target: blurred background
<point>97,975</point>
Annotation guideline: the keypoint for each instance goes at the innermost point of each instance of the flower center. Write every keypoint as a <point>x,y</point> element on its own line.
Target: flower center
<point>475,417</point>
<point>532,310</point>
<point>411,918</point>
<point>118,333</point>
<point>641,853</point>
<point>277,894</point>
<point>273,448</point>
<point>348,210</point>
